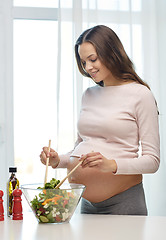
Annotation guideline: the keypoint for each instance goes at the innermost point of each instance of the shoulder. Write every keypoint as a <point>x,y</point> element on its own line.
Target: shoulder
<point>145,100</point>
<point>143,93</point>
<point>139,92</point>
<point>91,91</point>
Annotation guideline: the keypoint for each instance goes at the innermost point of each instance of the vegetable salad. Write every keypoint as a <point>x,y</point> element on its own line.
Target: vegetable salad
<point>54,205</point>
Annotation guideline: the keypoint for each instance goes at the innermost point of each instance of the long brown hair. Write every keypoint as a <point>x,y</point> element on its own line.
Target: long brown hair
<point>110,52</point>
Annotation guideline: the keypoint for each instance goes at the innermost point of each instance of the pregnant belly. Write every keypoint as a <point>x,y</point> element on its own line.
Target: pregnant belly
<point>99,185</point>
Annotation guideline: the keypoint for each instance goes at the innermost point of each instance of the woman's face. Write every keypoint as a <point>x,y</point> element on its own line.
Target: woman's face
<point>92,64</point>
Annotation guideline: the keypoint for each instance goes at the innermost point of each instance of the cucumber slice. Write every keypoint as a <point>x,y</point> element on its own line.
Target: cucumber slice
<point>43,219</point>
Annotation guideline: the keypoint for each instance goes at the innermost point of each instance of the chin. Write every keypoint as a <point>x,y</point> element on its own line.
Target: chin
<point>95,80</point>
<point>99,82</point>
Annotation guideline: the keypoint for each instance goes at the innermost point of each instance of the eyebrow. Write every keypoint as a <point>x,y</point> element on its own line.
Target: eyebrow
<point>90,55</point>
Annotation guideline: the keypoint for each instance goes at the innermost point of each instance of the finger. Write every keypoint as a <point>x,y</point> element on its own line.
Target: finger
<point>42,159</point>
<point>83,157</point>
<point>51,150</point>
<point>90,159</point>
<point>43,156</point>
<point>46,151</point>
<point>93,164</point>
<point>93,154</point>
<point>53,154</point>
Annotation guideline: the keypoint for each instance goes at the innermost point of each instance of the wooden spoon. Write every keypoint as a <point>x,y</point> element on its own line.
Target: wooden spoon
<point>61,182</point>
<point>47,161</point>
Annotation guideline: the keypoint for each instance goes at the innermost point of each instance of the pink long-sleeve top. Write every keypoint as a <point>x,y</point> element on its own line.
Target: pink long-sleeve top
<point>115,121</point>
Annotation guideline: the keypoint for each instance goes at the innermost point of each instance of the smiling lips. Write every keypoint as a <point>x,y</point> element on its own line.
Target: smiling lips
<point>93,74</point>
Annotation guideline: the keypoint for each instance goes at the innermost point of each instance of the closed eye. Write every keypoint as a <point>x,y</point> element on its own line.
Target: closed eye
<point>93,60</point>
<point>84,63</point>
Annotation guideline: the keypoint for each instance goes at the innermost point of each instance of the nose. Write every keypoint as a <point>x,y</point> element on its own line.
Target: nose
<point>88,66</point>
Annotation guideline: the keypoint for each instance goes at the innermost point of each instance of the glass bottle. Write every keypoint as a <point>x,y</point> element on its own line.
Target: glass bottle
<point>12,184</point>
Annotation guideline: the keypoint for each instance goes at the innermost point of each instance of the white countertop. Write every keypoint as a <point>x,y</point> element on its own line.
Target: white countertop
<point>85,226</point>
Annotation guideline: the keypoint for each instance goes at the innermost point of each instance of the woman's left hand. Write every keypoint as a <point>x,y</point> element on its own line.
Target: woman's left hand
<point>97,160</point>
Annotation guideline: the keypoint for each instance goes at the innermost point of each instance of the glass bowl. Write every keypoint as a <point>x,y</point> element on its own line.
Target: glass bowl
<point>53,205</point>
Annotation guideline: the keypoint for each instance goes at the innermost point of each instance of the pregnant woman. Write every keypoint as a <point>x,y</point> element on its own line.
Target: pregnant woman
<point>118,116</point>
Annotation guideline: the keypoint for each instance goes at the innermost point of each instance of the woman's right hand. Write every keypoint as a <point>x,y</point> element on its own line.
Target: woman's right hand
<point>52,155</point>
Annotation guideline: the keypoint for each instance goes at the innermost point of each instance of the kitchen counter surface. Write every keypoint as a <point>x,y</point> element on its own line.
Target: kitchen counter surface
<point>85,226</point>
